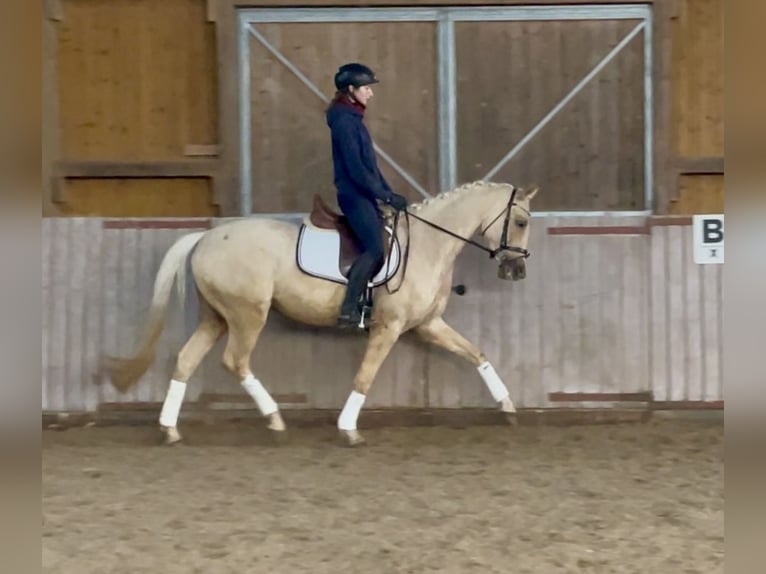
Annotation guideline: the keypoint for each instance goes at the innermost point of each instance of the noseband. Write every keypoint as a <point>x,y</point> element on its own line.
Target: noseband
<point>504,238</point>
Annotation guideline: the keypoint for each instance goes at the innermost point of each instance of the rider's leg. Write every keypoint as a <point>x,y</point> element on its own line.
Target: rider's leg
<point>358,276</point>
<point>365,222</point>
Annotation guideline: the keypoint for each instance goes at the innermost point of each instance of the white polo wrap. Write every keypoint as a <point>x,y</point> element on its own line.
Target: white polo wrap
<point>172,404</point>
<point>350,412</point>
<point>260,395</point>
<point>492,380</point>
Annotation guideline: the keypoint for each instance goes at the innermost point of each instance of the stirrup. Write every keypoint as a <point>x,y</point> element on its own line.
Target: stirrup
<point>349,320</point>
<point>363,310</point>
<point>366,307</point>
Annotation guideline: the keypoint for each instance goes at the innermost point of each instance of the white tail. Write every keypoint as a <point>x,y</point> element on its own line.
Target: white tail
<point>125,372</point>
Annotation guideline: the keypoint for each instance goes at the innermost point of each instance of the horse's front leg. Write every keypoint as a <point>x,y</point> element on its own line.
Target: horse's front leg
<point>382,339</point>
<point>438,332</point>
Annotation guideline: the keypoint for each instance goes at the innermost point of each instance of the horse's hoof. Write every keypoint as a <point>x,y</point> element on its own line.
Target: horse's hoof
<point>506,406</point>
<point>351,438</point>
<point>512,419</point>
<point>278,437</point>
<point>172,436</point>
<point>276,423</point>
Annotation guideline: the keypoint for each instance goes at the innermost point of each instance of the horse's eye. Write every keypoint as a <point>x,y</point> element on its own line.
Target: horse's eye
<point>521,224</point>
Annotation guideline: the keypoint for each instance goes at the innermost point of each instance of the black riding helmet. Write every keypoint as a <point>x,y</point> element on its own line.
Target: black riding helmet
<point>354,74</point>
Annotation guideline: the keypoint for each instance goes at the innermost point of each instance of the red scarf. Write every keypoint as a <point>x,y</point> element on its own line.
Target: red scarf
<point>343,100</point>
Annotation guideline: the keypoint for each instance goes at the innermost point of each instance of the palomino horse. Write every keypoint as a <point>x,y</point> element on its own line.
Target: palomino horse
<point>245,267</point>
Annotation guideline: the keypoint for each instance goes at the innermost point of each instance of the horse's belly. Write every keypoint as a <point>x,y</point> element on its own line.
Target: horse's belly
<point>307,299</point>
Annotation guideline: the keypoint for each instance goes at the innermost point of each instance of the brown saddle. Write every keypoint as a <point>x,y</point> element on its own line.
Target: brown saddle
<point>325,217</point>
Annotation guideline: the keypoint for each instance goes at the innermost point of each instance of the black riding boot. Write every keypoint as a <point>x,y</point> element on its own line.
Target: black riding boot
<point>358,277</point>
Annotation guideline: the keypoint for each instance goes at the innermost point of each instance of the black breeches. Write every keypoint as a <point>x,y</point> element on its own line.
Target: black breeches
<point>364,220</point>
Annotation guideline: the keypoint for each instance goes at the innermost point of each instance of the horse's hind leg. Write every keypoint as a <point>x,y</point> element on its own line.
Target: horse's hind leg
<point>244,330</point>
<point>438,332</point>
<point>199,344</point>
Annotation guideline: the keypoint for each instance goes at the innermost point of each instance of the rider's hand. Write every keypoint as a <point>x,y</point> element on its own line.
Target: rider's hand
<point>398,202</point>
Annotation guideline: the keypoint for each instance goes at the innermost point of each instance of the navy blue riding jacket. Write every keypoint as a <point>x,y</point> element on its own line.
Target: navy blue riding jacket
<point>355,168</point>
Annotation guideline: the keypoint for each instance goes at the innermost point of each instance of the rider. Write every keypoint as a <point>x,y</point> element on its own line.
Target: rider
<point>358,181</point>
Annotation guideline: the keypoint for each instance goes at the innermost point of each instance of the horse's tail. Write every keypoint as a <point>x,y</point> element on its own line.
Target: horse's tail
<point>125,372</point>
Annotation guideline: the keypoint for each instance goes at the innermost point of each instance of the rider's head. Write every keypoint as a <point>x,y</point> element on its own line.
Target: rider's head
<point>354,80</point>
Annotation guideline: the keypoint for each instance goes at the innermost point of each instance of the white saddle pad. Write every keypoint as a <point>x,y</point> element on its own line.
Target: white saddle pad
<point>318,254</point>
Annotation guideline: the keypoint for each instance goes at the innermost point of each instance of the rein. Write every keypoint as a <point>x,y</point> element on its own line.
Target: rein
<point>406,256</point>
<point>504,239</point>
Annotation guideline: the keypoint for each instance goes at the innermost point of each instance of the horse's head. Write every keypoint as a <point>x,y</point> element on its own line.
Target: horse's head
<point>508,232</point>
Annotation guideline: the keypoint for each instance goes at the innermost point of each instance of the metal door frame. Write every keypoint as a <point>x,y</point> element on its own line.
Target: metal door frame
<point>445,19</point>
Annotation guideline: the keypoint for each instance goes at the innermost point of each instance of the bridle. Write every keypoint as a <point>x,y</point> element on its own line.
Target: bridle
<point>493,253</point>
<point>503,240</point>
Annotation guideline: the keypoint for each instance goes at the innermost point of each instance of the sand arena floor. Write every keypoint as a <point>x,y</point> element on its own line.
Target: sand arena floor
<point>639,498</point>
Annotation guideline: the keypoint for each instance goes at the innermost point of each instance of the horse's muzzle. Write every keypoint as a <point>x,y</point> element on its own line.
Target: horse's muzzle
<point>513,269</point>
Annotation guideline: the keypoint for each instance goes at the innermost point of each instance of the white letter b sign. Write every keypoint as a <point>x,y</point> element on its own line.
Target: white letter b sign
<point>708,238</point>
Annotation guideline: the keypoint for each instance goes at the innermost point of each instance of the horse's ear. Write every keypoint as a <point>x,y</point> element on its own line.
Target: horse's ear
<point>530,192</point>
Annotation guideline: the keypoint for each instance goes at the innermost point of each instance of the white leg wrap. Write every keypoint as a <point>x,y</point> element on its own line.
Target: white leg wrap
<point>494,383</point>
<point>260,395</point>
<point>172,405</point>
<point>350,412</point>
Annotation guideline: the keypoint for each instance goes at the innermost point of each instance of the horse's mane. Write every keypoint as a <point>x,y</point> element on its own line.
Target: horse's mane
<point>450,193</point>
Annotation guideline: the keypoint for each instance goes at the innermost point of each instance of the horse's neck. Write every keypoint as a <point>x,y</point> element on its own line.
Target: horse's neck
<point>461,215</point>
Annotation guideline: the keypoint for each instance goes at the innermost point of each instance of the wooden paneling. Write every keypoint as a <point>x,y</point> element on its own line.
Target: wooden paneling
<point>136,78</point>
<point>686,319</point>
<point>291,153</point>
<point>146,79</point>
<point>609,315</point>
<point>697,108</point>
<point>136,88</point>
<point>227,184</point>
<point>511,74</point>
<point>138,169</point>
<point>700,165</point>
<point>72,313</point>
<point>96,287</point>
<point>698,77</point>
<point>664,181</point>
<point>699,194</point>
<point>171,197</point>
<point>50,102</point>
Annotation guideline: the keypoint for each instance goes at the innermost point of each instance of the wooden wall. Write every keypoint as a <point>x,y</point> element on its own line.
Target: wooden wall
<point>611,306</point>
<point>134,90</point>
<point>135,95</point>
<point>137,197</point>
<point>697,106</point>
<point>511,74</point>
<point>291,152</point>
<point>686,310</point>
<point>140,92</point>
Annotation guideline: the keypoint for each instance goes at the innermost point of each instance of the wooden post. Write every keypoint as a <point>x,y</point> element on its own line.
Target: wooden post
<point>51,129</point>
<point>226,184</point>
<point>665,181</point>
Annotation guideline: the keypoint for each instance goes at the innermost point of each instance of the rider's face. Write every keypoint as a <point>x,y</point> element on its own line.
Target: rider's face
<point>362,94</point>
